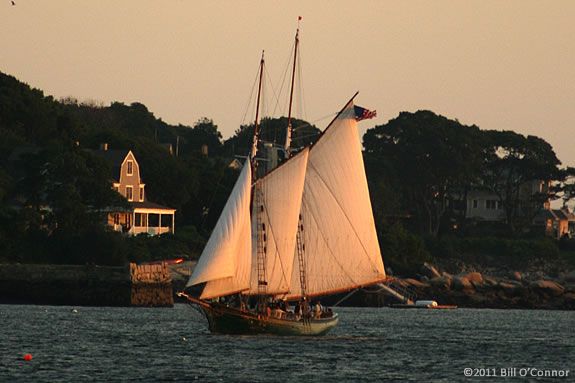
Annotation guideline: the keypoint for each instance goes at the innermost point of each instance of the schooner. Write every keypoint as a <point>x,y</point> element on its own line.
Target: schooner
<point>302,231</point>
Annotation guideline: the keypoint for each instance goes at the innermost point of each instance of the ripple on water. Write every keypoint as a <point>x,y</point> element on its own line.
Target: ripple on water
<point>371,345</point>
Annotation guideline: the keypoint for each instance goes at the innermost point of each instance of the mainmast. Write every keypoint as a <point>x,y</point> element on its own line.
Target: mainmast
<point>289,127</point>
<point>300,246</point>
<point>256,123</point>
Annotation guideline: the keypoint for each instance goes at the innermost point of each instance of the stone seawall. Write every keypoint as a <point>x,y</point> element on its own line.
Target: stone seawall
<point>151,285</point>
<point>89,285</point>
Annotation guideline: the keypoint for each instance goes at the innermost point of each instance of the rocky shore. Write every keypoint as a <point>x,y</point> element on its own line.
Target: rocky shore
<point>471,287</point>
<point>512,289</point>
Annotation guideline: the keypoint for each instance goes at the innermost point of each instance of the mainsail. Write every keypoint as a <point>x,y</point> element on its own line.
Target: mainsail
<point>341,247</point>
<point>226,259</point>
<point>277,198</point>
<point>327,186</point>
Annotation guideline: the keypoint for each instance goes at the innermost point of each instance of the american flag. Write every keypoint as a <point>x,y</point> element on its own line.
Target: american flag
<point>363,114</point>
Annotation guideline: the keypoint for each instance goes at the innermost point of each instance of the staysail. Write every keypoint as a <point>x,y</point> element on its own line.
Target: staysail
<point>341,247</point>
<point>277,197</point>
<point>226,260</point>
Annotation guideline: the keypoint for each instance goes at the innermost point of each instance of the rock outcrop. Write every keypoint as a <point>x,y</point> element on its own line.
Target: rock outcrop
<point>520,290</point>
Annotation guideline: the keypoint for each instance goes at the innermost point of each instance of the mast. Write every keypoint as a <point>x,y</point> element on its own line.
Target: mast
<point>256,123</point>
<point>289,127</point>
<point>300,246</point>
<point>257,201</point>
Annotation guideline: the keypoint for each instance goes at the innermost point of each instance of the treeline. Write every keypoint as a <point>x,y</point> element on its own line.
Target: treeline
<point>419,166</point>
<point>50,186</point>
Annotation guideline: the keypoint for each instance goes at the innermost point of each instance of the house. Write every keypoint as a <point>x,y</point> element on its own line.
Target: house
<point>144,216</point>
<point>556,223</point>
<point>484,205</point>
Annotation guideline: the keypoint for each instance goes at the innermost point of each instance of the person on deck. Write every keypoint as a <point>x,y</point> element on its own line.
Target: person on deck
<point>317,310</point>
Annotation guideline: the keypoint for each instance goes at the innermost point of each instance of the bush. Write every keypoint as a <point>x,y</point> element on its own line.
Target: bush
<point>496,251</point>
<point>403,251</point>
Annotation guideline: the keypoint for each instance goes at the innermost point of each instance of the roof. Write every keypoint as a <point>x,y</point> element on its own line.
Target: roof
<point>556,214</point>
<point>149,205</point>
<point>564,214</point>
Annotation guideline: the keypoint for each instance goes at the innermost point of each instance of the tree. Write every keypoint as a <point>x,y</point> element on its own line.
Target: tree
<point>514,165</point>
<point>272,130</point>
<point>430,157</point>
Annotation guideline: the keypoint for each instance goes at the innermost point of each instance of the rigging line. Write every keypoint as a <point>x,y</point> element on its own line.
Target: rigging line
<point>344,213</point>
<point>311,124</point>
<point>274,238</point>
<point>300,84</point>
<point>250,98</point>
<point>326,241</point>
<point>275,95</point>
<point>284,78</point>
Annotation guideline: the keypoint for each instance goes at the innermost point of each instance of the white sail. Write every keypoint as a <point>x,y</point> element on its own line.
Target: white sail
<point>279,192</point>
<point>341,247</point>
<point>226,259</point>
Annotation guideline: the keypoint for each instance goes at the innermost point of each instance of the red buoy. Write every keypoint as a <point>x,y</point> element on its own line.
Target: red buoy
<point>27,357</point>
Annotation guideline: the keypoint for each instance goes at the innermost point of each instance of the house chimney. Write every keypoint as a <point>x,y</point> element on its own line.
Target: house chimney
<point>104,146</point>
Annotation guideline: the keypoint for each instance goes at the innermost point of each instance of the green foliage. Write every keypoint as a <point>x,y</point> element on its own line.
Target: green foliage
<point>422,161</point>
<point>427,158</point>
<point>272,130</point>
<point>512,160</point>
<point>51,188</point>
<point>402,251</point>
<point>494,251</point>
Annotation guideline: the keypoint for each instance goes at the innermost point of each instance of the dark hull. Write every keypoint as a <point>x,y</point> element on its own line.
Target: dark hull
<point>226,320</point>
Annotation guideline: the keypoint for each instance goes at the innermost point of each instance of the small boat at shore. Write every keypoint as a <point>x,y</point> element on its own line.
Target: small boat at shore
<point>303,230</point>
<point>431,305</point>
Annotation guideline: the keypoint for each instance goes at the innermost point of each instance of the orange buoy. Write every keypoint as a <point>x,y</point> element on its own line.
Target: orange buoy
<point>27,357</point>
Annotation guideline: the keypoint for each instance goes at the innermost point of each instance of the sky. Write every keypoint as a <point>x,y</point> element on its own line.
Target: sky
<point>505,65</point>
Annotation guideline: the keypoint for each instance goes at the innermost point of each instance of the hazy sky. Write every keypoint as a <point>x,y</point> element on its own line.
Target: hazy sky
<point>496,64</point>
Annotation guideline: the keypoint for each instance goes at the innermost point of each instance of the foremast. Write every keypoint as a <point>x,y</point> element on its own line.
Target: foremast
<point>257,198</point>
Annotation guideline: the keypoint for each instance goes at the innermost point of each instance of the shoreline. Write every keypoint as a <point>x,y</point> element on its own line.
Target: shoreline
<point>90,285</point>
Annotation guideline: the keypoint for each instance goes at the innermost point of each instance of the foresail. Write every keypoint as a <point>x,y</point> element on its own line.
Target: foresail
<point>279,192</point>
<point>341,247</point>
<point>226,259</point>
<point>240,280</point>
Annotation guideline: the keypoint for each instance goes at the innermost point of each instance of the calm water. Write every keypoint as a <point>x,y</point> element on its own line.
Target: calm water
<point>371,345</point>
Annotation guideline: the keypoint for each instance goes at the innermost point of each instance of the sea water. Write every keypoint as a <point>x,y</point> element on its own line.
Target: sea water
<point>70,344</point>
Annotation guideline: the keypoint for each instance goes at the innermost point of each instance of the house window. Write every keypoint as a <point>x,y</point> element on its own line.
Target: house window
<point>491,204</point>
<point>141,194</point>
<point>138,220</point>
<point>129,193</point>
<point>499,207</point>
<point>475,204</point>
<point>130,167</point>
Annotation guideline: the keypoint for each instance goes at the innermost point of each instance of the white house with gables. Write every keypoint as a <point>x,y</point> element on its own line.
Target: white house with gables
<point>144,215</point>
